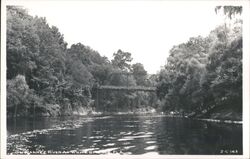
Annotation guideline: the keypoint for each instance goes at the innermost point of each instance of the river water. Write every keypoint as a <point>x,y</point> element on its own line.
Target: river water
<point>122,134</point>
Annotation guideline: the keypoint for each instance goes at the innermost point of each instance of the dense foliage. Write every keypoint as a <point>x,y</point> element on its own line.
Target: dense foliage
<point>47,78</point>
<point>44,77</point>
<point>205,73</point>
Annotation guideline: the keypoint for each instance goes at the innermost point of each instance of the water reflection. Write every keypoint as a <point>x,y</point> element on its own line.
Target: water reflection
<point>123,134</point>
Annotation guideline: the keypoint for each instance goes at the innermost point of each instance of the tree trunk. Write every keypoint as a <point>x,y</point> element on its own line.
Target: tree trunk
<point>34,110</point>
<point>15,112</point>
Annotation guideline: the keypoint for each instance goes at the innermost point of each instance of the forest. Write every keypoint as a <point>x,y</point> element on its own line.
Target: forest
<point>45,77</point>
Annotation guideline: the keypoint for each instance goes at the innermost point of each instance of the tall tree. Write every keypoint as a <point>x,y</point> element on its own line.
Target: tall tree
<point>139,73</point>
<point>205,73</point>
<point>122,60</point>
<point>180,79</point>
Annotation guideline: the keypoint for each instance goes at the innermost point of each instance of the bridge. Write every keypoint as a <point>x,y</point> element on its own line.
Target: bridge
<point>102,89</point>
<point>128,88</point>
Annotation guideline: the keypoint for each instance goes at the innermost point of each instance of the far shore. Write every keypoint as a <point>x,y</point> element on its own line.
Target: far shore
<point>146,113</point>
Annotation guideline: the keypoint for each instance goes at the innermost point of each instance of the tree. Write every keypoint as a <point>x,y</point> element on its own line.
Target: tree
<point>229,10</point>
<point>180,79</point>
<point>224,71</point>
<point>139,73</point>
<point>17,93</point>
<point>22,43</point>
<point>97,65</point>
<point>35,51</point>
<point>204,73</point>
<point>122,60</point>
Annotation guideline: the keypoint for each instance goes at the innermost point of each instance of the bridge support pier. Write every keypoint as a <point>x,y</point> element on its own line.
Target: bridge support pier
<point>97,99</point>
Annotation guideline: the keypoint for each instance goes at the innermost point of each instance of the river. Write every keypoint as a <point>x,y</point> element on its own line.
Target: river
<point>122,134</point>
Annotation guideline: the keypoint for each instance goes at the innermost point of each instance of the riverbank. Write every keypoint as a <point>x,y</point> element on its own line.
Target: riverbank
<point>161,114</point>
<point>222,114</point>
<point>222,121</point>
<point>218,116</point>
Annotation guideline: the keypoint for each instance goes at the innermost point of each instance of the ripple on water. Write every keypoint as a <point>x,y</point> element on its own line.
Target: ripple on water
<point>129,147</point>
<point>148,122</point>
<point>111,137</point>
<point>96,137</point>
<point>143,136</point>
<point>126,143</point>
<point>122,133</point>
<point>126,138</point>
<point>109,144</point>
<point>151,147</point>
<point>139,133</point>
<point>128,133</point>
<point>131,121</point>
<point>149,133</point>
<point>151,142</point>
<point>130,126</point>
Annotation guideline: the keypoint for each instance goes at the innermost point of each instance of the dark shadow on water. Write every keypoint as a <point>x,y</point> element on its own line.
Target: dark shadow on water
<point>178,136</point>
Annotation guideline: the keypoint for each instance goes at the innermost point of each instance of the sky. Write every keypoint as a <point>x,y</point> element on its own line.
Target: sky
<point>146,29</point>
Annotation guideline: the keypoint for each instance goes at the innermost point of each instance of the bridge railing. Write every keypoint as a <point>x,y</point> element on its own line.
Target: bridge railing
<point>129,88</point>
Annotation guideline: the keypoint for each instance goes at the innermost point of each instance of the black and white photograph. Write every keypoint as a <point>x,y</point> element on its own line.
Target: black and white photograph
<point>124,78</point>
